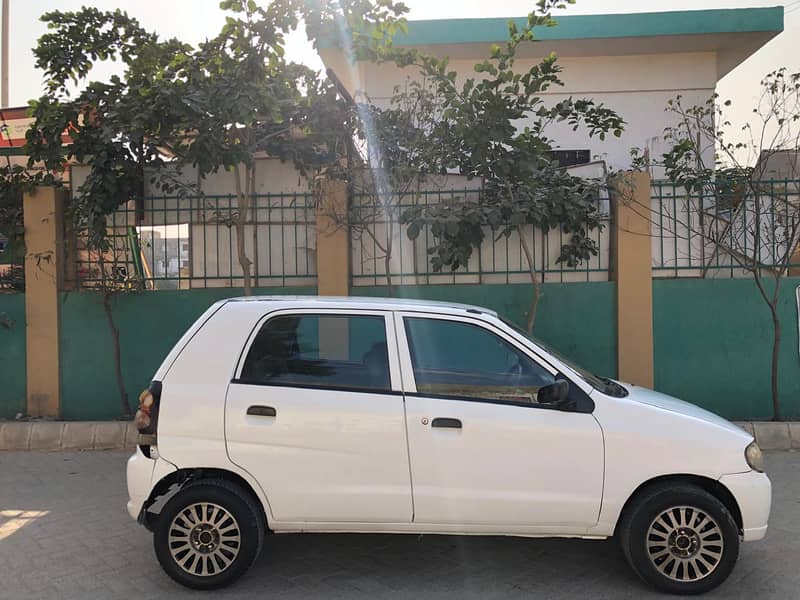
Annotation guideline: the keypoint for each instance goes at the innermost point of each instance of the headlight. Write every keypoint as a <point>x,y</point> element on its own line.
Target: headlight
<point>754,457</point>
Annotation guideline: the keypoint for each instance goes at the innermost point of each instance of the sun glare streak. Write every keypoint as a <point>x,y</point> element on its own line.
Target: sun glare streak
<point>374,151</point>
<point>12,521</point>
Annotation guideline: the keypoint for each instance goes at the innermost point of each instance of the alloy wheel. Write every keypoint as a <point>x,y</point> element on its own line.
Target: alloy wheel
<point>204,539</point>
<point>685,543</point>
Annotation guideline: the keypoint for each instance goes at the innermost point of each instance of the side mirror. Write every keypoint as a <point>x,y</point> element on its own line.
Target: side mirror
<point>557,395</point>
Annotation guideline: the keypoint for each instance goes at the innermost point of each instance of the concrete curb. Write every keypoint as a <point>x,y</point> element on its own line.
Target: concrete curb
<point>57,436</point>
<point>54,436</point>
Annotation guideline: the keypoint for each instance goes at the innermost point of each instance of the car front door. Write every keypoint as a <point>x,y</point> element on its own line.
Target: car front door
<point>483,451</point>
<point>315,414</point>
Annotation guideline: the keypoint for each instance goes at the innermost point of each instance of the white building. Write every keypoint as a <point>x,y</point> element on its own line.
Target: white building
<point>632,63</point>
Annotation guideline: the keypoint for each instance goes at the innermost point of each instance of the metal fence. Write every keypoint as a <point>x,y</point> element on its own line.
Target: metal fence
<point>169,242</point>
<point>500,259</point>
<point>712,233</point>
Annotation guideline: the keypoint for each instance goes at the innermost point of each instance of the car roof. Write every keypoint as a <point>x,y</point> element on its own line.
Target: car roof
<point>367,302</point>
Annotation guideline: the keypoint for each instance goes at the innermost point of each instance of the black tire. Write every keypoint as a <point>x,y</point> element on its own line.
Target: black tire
<point>248,521</point>
<point>688,578</point>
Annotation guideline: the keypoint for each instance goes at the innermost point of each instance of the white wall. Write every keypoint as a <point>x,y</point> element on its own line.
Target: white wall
<point>637,87</point>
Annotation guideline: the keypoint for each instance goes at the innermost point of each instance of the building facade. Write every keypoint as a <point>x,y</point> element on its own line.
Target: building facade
<point>632,63</point>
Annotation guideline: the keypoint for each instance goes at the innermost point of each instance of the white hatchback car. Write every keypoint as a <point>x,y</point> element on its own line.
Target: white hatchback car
<point>376,415</point>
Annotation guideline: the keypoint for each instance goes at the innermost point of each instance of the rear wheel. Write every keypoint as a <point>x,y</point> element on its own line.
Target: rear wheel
<point>680,539</point>
<point>208,534</point>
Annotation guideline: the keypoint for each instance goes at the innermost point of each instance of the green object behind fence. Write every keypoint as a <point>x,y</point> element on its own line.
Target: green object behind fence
<point>713,344</point>
<point>12,355</point>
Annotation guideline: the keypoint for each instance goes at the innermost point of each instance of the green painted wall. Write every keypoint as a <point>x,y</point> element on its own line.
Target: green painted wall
<point>150,323</point>
<point>713,344</point>
<point>12,355</point>
<point>712,339</point>
<point>576,319</point>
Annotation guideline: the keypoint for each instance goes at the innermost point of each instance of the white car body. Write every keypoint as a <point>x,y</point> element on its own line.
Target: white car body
<point>334,460</point>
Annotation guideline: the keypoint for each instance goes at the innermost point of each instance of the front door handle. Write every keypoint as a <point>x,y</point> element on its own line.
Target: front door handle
<point>446,423</point>
<point>261,411</point>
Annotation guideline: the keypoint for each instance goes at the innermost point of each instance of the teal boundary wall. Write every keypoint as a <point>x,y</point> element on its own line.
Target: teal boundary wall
<point>713,346</point>
<point>577,319</point>
<point>712,338</point>
<point>150,323</point>
<point>12,355</point>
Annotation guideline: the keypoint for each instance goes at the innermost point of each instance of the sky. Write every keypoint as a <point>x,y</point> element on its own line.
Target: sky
<point>194,20</point>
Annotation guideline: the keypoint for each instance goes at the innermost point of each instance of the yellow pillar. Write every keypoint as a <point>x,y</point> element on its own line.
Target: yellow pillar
<point>633,273</point>
<point>44,245</point>
<point>794,270</point>
<point>333,241</point>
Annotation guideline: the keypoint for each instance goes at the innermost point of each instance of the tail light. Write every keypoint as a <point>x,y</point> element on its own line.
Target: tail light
<point>146,418</point>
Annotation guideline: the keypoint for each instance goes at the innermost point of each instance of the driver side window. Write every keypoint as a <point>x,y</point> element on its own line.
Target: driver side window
<point>456,359</point>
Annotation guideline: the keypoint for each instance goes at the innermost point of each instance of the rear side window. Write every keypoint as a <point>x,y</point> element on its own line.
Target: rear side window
<point>324,351</point>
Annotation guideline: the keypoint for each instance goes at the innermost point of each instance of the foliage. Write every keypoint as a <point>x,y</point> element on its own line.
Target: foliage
<point>177,108</point>
<point>743,213</point>
<point>398,161</point>
<point>364,28</point>
<point>481,135</point>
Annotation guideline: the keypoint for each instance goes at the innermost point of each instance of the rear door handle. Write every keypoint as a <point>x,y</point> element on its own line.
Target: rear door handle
<point>261,411</point>
<point>446,423</point>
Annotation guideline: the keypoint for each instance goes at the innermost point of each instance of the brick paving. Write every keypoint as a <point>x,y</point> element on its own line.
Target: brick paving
<point>64,533</point>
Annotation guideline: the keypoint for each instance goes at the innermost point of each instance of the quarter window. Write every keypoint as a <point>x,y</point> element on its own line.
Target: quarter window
<point>326,351</point>
<point>452,358</point>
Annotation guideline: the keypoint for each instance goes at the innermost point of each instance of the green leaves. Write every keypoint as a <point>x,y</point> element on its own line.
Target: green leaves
<point>175,105</point>
<point>493,128</point>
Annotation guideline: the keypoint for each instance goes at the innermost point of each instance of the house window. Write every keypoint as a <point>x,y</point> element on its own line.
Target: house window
<point>570,158</point>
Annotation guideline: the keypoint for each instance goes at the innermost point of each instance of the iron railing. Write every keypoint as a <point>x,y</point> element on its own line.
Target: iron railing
<point>169,242</point>
<point>710,232</point>
<point>500,259</point>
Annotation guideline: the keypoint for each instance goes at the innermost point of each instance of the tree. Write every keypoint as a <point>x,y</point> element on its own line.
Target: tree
<point>479,135</point>
<point>745,211</point>
<point>212,107</point>
<point>113,126</point>
<point>395,162</point>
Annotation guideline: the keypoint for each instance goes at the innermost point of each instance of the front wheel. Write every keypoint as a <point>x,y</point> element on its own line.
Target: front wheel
<point>208,534</point>
<point>680,539</point>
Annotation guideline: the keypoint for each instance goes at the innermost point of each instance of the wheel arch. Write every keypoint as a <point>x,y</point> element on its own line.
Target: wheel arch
<point>712,486</point>
<point>165,488</point>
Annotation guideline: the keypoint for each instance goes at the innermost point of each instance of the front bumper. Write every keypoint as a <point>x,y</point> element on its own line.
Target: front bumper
<point>753,493</point>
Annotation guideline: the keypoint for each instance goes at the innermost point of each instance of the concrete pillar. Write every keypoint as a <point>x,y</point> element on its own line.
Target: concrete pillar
<point>632,255</point>
<point>333,241</point>
<point>794,270</point>
<point>43,210</point>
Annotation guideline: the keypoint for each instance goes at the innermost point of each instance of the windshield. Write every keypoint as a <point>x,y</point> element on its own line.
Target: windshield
<point>603,384</point>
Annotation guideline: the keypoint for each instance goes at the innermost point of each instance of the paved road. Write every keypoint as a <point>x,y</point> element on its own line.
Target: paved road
<point>75,541</point>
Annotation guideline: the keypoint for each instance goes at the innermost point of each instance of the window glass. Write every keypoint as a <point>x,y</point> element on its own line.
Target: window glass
<point>452,358</point>
<point>327,351</point>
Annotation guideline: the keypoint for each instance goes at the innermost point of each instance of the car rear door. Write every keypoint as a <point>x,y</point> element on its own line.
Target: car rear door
<point>482,451</point>
<point>315,414</point>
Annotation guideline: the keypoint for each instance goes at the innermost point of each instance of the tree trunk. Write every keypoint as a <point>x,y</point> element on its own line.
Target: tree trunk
<point>776,345</point>
<point>537,287</point>
<point>254,219</point>
<point>243,201</point>
<point>123,395</point>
